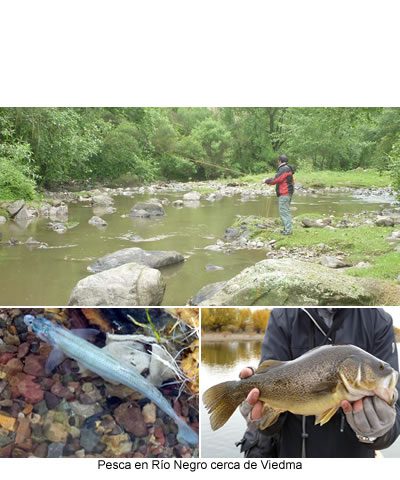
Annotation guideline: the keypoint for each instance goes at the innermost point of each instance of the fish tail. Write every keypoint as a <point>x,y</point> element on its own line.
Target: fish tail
<point>187,435</point>
<point>221,401</point>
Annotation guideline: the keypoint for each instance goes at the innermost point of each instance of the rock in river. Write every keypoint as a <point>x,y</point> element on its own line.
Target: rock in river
<point>97,221</point>
<point>150,258</point>
<point>129,284</point>
<point>192,197</point>
<point>293,282</point>
<point>147,209</point>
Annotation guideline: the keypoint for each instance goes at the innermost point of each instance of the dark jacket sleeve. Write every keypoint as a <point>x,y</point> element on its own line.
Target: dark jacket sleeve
<point>280,177</point>
<point>275,346</point>
<point>385,349</point>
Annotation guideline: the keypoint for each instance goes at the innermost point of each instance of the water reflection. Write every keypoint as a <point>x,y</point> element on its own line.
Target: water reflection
<point>223,361</point>
<point>47,276</point>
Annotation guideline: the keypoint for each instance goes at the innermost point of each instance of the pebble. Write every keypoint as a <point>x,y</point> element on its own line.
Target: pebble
<point>149,413</point>
<point>41,450</point>
<point>23,431</point>
<point>56,432</point>
<point>15,365</point>
<point>20,324</point>
<point>11,339</point>
<point>61,391</point>
<point>23,349</point>
<point>30,390</point>
<point>85,411</point>
<point>131,419</point>
<point>7,422</point>
<point>55,450</point>
<point>52,401</point>
<point>117,445</point>
<point>89,439</point>
<point>35,365</point>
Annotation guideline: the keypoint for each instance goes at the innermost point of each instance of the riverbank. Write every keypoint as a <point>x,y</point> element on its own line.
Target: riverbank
<point>231,337</point>
<point>367,179</point>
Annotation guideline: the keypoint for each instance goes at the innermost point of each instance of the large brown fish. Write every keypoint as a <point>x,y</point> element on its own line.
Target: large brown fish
<point>313,384</point>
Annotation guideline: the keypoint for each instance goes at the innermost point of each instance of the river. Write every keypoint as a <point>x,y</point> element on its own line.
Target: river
<point>222,361</point>
<point>32,276</point>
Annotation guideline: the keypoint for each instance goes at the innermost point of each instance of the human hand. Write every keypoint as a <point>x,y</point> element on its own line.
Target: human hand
<point>266,180</point>
<point>251,408</point>
<point>370,416</point>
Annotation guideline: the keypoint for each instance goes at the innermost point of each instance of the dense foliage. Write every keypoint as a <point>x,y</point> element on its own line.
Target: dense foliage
<point>234,320</point>
<point>52,146</point>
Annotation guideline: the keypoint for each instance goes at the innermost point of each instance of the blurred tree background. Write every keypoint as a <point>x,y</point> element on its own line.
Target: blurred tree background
<point>234,320</point>
<point>62,147</point>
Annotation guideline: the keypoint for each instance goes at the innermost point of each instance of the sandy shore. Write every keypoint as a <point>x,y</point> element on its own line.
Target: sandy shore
<point>227,337</point>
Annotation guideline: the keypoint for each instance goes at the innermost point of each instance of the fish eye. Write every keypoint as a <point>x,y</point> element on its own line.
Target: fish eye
<point>381,366</point>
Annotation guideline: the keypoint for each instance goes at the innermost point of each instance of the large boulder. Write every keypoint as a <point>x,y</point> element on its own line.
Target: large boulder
<point>150,258</point>
<point>292,282</point>
<point>15,207</point>
<point>102,200</point>
<point>129,284</point>
<point>147,209</point>
<point>192,197</point>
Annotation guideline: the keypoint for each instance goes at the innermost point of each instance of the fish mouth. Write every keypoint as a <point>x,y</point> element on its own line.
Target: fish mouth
<point>385,391</point>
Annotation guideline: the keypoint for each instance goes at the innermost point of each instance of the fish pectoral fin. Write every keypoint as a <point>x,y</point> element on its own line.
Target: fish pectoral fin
<point>326,416</point>
<point>268,416</point>
<point>324,387</point>
<point>55,358</point>
<point>85,333</point>
<point>267,364</point>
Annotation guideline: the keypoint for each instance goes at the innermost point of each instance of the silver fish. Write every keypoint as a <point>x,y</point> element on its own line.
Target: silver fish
<point>71,344</point>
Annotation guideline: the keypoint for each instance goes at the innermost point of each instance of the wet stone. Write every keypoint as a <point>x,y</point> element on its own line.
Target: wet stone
<point>89,439</point>
<point>19,453</point>
<point>35,365</point>
<point>6,440</point>
<point>23,350</point>
<point>20,324</point>
<point>41,450</point>
<point>85,411</point>
<point>131,419</point>
<point>41,408</point>
<point>15,364</point>
<point>55,450</point>
<point>52,401</point>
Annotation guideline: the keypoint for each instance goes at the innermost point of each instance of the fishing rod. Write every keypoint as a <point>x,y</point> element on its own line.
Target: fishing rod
<point>215,166</point>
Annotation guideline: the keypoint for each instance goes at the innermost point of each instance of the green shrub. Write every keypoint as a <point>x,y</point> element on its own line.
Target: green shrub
<point>15,184</point>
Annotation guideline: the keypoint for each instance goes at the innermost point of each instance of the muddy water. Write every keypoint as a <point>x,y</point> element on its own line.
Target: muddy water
<point>223,361</point>
<point>47,276</point>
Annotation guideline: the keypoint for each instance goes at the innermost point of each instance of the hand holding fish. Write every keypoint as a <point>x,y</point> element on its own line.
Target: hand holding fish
<point>314,384</point>
<point>251,407</point>
<point>370,417</point>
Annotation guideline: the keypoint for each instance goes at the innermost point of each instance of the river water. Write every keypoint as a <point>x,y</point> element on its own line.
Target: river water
<point>32,276</point>
<point>221,361</point>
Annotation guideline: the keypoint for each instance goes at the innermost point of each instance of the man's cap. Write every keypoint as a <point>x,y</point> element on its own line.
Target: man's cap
<point>283,158</point>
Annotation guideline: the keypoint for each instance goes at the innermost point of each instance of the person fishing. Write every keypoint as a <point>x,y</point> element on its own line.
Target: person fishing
<point>357,429</point>
<point>284,191</point>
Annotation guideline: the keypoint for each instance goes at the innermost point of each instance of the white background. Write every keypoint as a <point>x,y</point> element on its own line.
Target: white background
<point>199,53</point>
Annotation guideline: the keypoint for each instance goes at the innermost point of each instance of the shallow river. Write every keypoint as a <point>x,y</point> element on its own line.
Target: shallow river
<point>47,276</point>
<point>223,361</point>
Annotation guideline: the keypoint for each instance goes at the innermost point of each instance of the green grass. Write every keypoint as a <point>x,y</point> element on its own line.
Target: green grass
<point>385,267</point>
<point>327,178</point>
<point>363,243</point>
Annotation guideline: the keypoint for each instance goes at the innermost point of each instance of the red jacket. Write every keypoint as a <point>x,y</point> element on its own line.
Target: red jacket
<point>283,180</point>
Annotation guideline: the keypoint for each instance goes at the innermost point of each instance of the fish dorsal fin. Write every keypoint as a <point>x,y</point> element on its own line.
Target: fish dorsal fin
<point>267,364</point>
<point>85,333</point>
